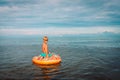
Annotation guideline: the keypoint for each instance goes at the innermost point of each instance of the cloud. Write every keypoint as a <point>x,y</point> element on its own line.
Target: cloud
<point>59,13</point>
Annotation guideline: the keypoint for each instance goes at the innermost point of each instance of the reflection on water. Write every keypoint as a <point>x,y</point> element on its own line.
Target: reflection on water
<point>48,71</point>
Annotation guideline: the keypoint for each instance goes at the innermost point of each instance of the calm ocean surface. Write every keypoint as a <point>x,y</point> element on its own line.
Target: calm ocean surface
<point>83,58</point>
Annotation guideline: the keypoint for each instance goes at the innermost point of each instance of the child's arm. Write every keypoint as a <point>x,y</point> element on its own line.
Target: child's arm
<point>42,48</point>
<point>46,50</point>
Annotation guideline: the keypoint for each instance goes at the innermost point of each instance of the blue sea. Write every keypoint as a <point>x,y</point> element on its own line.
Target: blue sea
<point>84,57</point>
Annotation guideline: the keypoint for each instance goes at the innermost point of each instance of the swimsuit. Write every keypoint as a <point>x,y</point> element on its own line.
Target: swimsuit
<point>44,55</point>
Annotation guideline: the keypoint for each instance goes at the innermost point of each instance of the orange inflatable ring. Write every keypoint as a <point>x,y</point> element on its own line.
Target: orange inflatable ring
<point>55,59</point>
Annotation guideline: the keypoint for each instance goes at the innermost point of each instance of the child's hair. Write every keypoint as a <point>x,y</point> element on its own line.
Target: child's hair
<point>45,38</point>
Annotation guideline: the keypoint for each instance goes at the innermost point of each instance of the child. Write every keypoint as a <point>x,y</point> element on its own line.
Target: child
<point>45,52</point>
<point>45,46</point>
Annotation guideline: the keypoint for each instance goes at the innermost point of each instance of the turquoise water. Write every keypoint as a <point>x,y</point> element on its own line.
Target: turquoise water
<point>83,58</point>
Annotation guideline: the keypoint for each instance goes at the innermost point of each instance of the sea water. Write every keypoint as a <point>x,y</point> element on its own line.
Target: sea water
<point>83,58</point>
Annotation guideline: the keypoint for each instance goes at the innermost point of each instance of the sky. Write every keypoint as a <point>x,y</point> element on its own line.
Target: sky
<point>36,17</point>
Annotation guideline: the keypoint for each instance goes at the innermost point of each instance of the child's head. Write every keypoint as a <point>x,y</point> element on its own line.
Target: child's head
<point>45,38</point>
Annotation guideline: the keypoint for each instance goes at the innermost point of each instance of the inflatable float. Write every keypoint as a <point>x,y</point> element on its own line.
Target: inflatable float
<point>54,59</point>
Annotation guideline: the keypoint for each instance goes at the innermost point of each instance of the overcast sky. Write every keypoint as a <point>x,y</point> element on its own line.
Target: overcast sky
<point>29,17</point>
